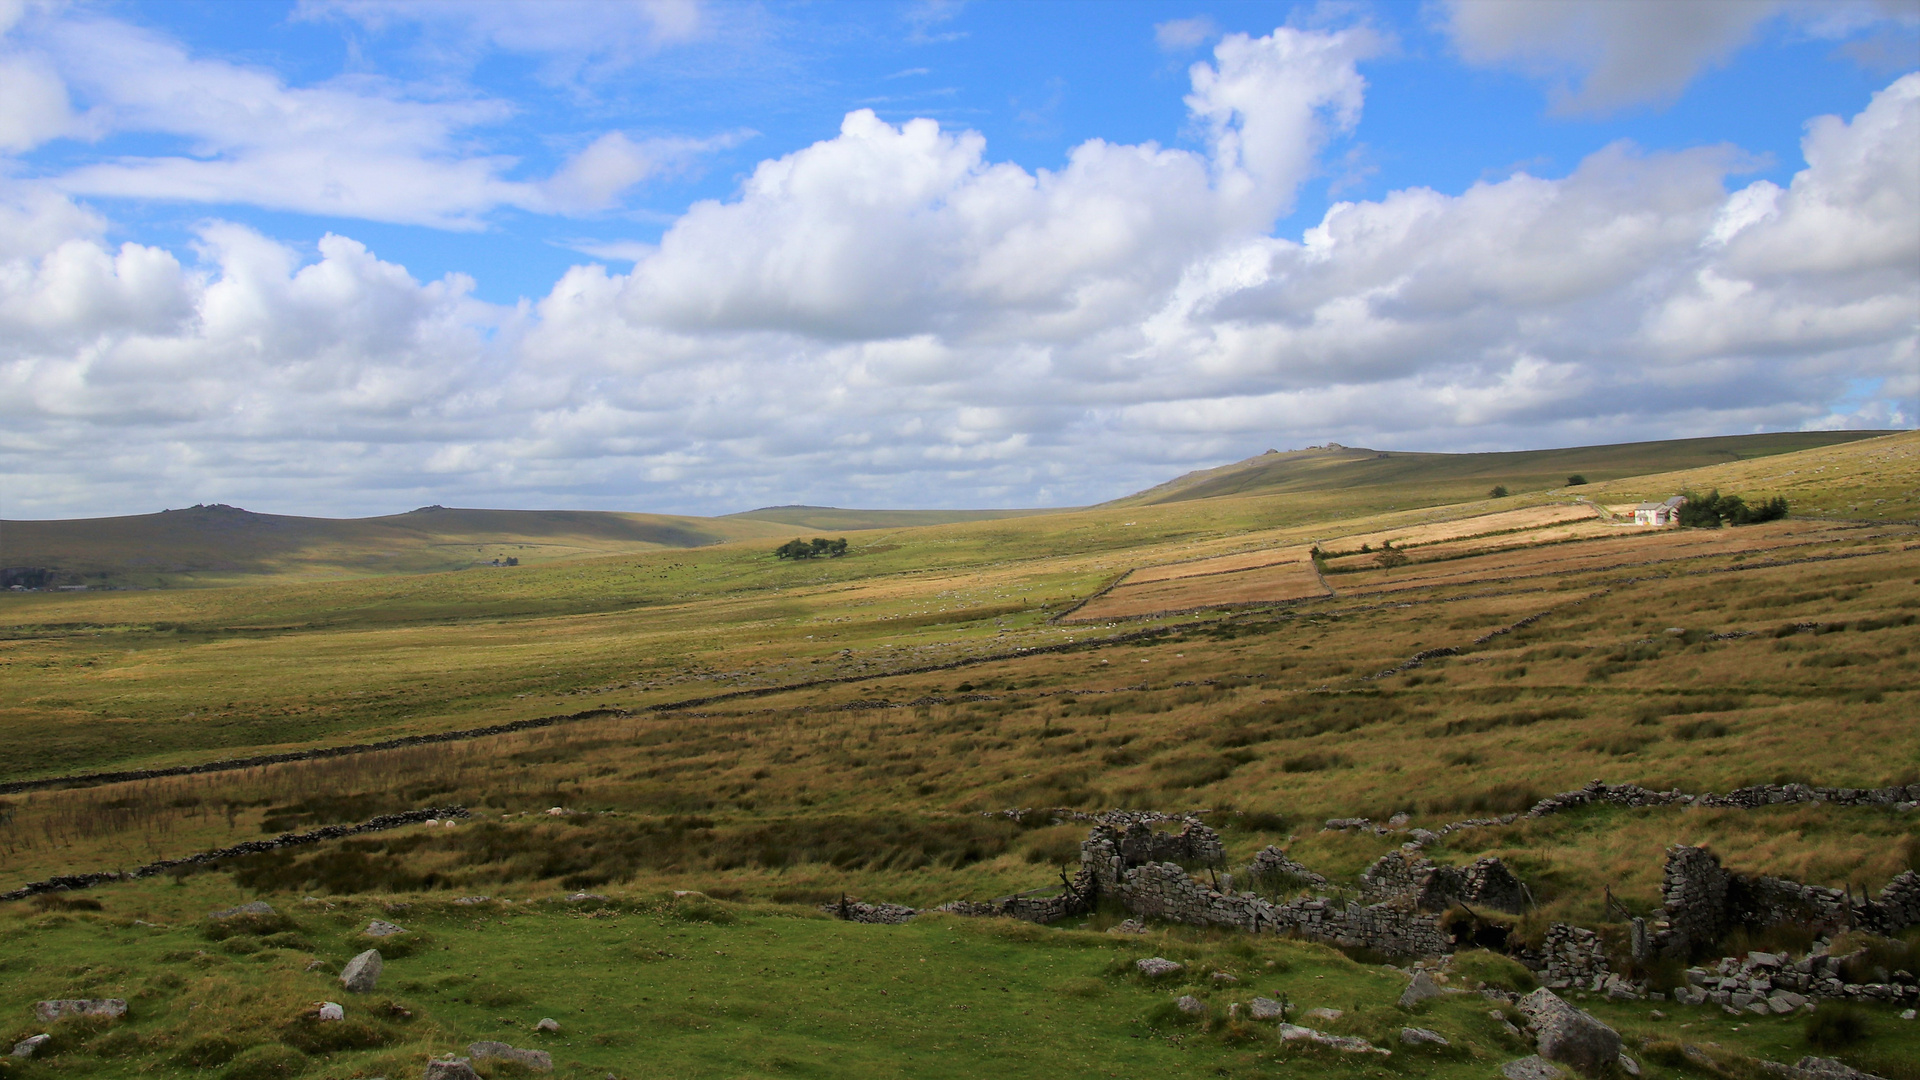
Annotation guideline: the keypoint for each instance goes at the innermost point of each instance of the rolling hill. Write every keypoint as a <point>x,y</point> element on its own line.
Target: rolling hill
<point>210,545</point>
<point>1441,478</point>
<point>829,518</point>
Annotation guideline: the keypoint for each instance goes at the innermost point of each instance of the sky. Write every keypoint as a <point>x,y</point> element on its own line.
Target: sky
<point>350,257</point>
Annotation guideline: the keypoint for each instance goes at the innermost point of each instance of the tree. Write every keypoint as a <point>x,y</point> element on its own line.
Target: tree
<point>1499,492</point>
<point>1576,480</point>
<point>812,549</point>
<point>1713,509</point>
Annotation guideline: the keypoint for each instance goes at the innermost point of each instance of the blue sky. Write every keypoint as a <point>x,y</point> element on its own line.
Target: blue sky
<point>350,257</point>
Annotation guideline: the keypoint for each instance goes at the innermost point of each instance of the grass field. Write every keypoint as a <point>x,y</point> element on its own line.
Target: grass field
<point>864,760</point>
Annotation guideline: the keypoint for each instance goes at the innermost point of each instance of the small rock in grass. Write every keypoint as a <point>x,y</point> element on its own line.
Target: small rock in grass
<point>111,1008</point>
<point>558,811</point>
<point>470,900</point>
<point>1420,989</point>
<point>1532,1067</point>
<point>1413,1036</point>
<point>1128,926</point>
<point>362,972</point>
<point>1223,977</point>
<point>251,907</point>
<point>1190,1005</point>
<point>1908,1014</point>
<point>450,1068</point>
<point>382,928</point>
<point>582,896</point>
<point>1154,967</point>
<point>1629,1066</point>
<point>1324,1015</point>
<point>1346,1043</point>
<point>1656,1014</point>
<point>537,1060</point>
<point>316,965</point>
<point>27,1047</point>
<point>1265,1009</point>
<point>547,1023</point>
<point>331,1010</point>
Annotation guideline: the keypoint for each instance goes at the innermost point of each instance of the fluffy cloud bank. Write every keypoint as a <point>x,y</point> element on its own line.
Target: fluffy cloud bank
<point>890,316</point>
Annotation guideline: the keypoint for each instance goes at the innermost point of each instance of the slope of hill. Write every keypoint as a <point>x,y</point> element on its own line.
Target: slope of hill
<point>217,544</point>
<point>828,518</point>
<point>1440,478</point>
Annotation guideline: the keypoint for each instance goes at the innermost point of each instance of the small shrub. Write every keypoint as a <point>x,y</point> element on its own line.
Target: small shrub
<point>1700,729</point>
<point>273,1061</point>
<point>1836,1025</point>
<point>1576,480</point>
<point>208,1051</point>
<point>1499,492</point>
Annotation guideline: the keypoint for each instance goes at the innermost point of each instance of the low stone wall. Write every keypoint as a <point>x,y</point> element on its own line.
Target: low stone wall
<point>1572,958</point>
<point>251,847</point>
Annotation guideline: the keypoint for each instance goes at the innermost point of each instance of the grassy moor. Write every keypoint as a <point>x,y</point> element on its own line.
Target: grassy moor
<point>680,796</point>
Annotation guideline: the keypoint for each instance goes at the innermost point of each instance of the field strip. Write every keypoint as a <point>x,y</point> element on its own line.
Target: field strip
<point>63,882</point>
<point>461,735</point>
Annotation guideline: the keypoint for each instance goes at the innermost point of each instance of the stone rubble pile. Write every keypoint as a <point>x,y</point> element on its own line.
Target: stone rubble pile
<point>1764,983</point>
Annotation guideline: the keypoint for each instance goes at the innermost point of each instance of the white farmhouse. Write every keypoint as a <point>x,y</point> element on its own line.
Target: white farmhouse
<point>1660,513</point>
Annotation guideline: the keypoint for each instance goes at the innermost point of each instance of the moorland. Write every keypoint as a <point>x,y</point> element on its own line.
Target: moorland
<point>748,738</point>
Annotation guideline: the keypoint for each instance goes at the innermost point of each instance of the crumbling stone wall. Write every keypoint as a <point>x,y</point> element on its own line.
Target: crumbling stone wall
<point>1702,902</point>
<point>1574,958</point>
<point>1415,881</point>
<point>1166,891</point>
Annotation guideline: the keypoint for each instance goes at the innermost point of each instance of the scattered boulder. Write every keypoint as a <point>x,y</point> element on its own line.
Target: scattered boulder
<point>1223,977</point>
<point>1347,1043</point>
<point>450,1068</point>
<point>1568,1035</point>
<point>110,1008</point>
<point>583,896</point>
<point>1908,1014</point>
<point>1129,926</point>
<point>251,907</point>
<point>362,972</point>
<point>30,1045</point>
<point>547,1024</point>
<point>537,1060</point>
<point>1819,1068</point>
<point>1156,967</point>
<point>316,965</point>
<point>1532,1067</point>
<point>1324,1014</point>
<point>470,900</point>
<point>382,928</point>
<point>1420,989</point>
<point>1412,1036</point>
<point>1629,1066</point>
<point>1263,1008</point>
<point>331,1010</point>
<point>1190,1005</point>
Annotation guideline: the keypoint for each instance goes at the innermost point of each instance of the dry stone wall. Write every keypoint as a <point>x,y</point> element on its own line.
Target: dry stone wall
<point>1703,901</point>
<point>1409,879</point>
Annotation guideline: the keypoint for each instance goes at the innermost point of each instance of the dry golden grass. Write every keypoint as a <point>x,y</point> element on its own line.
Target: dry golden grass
<point>1263,584</point>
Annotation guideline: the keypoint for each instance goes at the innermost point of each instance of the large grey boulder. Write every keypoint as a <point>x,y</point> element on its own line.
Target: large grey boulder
<point>1568,1035</point>
<point>450,1068</point>
<point>110,1008</point>
<point>362,972</point>
<point>30,1045</point>
<point>537,1060</point>
<point>1420,989</point>
<point>1819,1068</point>
<point>1154,967</point>
<point>382,928</point>
<point>1265,1008</point>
